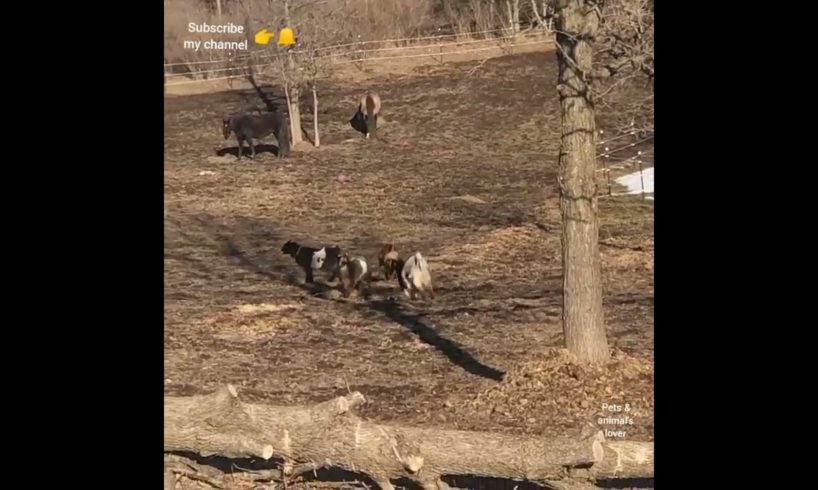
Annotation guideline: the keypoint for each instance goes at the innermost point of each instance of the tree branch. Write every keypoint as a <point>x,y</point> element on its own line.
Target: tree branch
<point>639,62</point>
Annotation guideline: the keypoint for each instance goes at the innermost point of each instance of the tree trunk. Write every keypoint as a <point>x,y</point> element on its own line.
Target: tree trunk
<point>583,322</point>
<point>513,11</point>
<point>289,112</point>
<point>315,116</point>
<point>294,92</point>
<point>295,112</point>
<point>307,438</point>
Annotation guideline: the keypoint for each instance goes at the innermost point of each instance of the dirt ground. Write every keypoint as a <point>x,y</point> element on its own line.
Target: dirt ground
<point>465,172</point>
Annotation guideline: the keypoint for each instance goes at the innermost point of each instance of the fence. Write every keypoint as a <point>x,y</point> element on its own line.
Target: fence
<point>243,65</point>
<point>643,160</point>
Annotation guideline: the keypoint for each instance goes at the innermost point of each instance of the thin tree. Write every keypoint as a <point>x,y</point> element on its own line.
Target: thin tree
<point>513,13</point>
<point>292,89</point>
<point>318,27</point>
<point>577,23</point>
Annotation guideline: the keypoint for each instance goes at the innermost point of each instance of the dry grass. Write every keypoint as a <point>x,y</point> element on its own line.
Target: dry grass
<point>553,395</point>
<point>237,310</point>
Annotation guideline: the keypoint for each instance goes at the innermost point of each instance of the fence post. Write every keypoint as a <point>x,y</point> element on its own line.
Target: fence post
<point>641,177</point>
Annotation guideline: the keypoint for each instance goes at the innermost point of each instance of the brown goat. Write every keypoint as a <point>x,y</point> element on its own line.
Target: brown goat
<point>388,260</point>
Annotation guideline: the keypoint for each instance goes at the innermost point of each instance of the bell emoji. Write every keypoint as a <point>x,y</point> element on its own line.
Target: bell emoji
<point>286,37</point>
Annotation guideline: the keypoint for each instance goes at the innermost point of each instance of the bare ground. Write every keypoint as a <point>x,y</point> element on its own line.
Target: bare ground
<point>465,172</point>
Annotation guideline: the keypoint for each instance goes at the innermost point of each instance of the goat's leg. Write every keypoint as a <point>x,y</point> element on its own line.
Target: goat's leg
<point>366,288</point>
<point>345,290</point>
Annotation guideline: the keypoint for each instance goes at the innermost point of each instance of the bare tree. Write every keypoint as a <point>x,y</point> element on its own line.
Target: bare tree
<point>624,59</point>
<point>542,13</point>
<point>301,67</point>
<point>577,26</point>
<point>293,89</point>
<point>307,64</point>
<point>315,65</point>
<point>513,12</point>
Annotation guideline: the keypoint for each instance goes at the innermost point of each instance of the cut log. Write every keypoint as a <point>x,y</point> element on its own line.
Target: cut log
<point>329,434</point>
<point>170,480</point>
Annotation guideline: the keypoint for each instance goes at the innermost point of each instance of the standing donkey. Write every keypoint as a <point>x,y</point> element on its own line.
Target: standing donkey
<point>249,126</point>
<point>366,118</point>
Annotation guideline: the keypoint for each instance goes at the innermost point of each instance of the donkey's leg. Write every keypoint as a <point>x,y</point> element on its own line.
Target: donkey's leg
<point>240,147</point>
<point>252,147</point>
<point>279,135</point>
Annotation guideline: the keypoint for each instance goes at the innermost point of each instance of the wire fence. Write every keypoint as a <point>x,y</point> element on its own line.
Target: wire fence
<point>245,64</point>
<point>612,160</point>
<point>346,46</point>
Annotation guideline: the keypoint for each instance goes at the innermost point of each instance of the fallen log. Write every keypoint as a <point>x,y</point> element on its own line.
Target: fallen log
<point>330,435</point>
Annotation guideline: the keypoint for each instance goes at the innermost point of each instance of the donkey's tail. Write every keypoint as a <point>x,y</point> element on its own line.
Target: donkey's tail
<point>371,119</point>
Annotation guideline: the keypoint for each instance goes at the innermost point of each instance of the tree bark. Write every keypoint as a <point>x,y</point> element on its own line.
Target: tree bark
<point>583,322</point>
<point>513,10</point>
<point>295,110</point>
<point>289,112</point>
<point>328,434</point>
<point>294,92</point>
<point>169,482</point>
<point>315,116</point>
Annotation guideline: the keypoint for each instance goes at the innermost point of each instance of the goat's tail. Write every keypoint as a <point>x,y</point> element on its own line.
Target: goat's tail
<point>422,279</point>
<point>420,260</point>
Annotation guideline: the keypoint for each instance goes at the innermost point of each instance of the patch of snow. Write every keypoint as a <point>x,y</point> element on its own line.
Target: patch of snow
<point>633,182</point>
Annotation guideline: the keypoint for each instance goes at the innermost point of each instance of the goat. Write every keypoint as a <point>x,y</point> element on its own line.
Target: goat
<point>311,259</point>
<point>415,277</point>
<point>355,274</point>
<point>387,260</point>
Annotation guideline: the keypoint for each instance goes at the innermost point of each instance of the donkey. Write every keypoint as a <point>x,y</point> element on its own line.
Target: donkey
<point>366,118</point>
<point>247,127</point>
